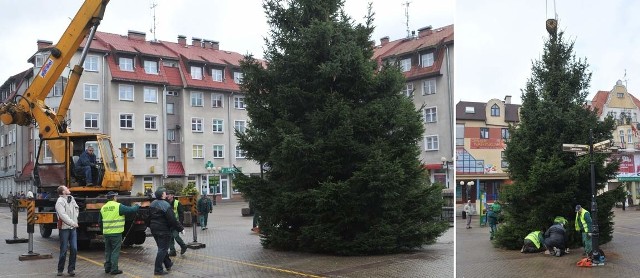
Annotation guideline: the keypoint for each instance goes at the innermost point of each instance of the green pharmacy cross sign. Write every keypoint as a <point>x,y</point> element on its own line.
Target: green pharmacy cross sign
<point>208,165</point>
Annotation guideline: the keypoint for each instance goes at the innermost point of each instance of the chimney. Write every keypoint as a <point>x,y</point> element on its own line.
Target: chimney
<point>182,40</point>
<point>196,41</point>
<point>44,44</point>
<point>507,99</point>
<point>384,40</point>
<point>215,45</point>
<point>136,35</point>
<point>205,43</point>
<point>425,31</point>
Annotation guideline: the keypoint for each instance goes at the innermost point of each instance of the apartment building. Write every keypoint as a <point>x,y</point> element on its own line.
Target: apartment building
<point>426,59</point>
<point>175,105</point>
<point>481,131</point>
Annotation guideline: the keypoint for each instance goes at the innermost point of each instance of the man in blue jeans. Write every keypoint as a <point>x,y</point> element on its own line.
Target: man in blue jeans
<point>67,211</point>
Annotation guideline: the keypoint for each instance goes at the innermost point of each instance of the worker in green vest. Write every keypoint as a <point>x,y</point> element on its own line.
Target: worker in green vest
<point>533,242</point>
<point>583,225</point>
<point>178,211</point>
<point>112,218</point>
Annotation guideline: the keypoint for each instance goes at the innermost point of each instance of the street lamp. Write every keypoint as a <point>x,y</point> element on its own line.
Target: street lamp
<point>446,165</point>
<point>469,185</point>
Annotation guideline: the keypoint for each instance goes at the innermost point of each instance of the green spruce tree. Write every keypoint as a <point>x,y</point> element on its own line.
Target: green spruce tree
<point>338,139</point>
<point>547,181</point>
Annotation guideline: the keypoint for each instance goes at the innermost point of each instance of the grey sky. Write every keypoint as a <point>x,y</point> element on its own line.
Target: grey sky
<point>239,25</point>
<point>497,40</point>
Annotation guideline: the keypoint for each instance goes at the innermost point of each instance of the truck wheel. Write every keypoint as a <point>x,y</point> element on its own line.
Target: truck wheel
<point>45,232</point>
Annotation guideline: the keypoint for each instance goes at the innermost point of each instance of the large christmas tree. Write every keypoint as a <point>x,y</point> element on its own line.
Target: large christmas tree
<point>547,181</point>
<point>338,140</point>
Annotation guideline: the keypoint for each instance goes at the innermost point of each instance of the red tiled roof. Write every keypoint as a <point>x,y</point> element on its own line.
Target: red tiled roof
<point>174,168</point>
<point>173,76</point>
<point>121,43</point>
<point>27,172</point>
<point>599,100</point>
<point>96,44</point>
<point>137,75</point>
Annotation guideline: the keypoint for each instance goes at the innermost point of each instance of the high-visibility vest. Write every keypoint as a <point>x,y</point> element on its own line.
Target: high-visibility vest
<point>175,208</point>
<point>580,217</point>
<point>535,238</point>
<point>112,221</point>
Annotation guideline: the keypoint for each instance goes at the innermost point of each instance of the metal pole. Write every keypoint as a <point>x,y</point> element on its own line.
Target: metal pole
<point>594,205</point>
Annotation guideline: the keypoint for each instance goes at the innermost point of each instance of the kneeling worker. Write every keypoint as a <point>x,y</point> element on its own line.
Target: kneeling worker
<point>112,214</point>
<point>555,239</point>
<point>533,242</point>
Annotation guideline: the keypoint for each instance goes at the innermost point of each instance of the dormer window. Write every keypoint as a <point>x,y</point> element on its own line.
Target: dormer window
<point>620,95</point>
<point>151,67</point>
<point>426,60</point>
<point>405,64</point>
<point>39,60</point>
<point>196,73</point>
<point>216,75</point>
<point>126,64</point>
<point>495,110</point>
<point>237,77</point>
<point>469,110</point>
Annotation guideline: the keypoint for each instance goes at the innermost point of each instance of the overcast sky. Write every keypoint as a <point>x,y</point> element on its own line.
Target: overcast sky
<point>239,25</point>
<point>497,40</point>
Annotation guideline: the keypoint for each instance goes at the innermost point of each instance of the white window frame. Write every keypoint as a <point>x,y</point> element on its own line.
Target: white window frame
<point>123,117</point>
<point>126,95</point>
<point>171,110</point>
<point>172,93</point>
<point>431,114</point>
<point>237,77</point>
<point>196,73</point>
<point>131,147</point>
<point>429,87</point>
<point>125,63</point>
<point>150,122</point>
<point>197,99</point>
<point>408,90</point>
<point>39,60</point>
<point>431,143</point>
<point>150,94</point>
<point>150,67</point>
<point>240,153</point>
<point>171,135</point>
<point>217,100</point>
<point>238,102</point>
<point>92,63</point>
<point>217,125</point>
<point>218,151</point>
<point>96,120</point>
<point>217,75</point>
<point>90,94</point>
<point>151,150</point>
<point>240,125</point>
<point>197,151</point>
<point>196,124</point>
<point>426,60</point>
<point>405,64</point>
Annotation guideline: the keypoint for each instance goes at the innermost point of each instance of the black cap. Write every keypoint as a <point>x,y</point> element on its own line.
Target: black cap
<point>110,194</point>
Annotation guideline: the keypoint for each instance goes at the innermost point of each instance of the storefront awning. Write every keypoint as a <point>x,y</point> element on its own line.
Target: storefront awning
<point>175,168</point>
<point>433,166</point>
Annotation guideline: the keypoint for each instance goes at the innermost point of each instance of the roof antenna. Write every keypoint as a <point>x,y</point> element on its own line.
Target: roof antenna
<point>153,28</point>
<point>406,14</point>
<point>625,78</point>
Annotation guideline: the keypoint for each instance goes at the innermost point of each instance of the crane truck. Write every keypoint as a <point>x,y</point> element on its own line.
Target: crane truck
<point>60,148</point>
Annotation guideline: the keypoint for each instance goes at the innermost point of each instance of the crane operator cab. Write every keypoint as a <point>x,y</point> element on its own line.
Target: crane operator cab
<point>81,161</point>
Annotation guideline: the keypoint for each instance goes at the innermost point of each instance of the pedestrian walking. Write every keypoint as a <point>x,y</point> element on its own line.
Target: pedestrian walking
<point>67,210</point>
<point>161,221</point>
<point>555,239</point>
<point>492,220</point>
<point>178,210</point>
<point>534,242</point>
<point>583,225</point>
<point>468,209</point>
<point>112,218</point>
<point>205,207</point>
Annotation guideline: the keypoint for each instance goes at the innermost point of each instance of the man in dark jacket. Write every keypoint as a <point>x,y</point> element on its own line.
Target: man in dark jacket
<point>178,210</point>
<point>86,163</point>
<point>204,208</point>
<point>161,221</point>
<point>555,239</point>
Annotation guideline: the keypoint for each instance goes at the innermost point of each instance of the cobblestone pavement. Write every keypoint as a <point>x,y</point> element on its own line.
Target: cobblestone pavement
<point>476,257</point>
<point>232,251</point>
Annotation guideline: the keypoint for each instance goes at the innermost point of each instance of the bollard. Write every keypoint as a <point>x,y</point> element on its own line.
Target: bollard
<point>14,220</point>
<point>194,215</point>
<point>31,220</point>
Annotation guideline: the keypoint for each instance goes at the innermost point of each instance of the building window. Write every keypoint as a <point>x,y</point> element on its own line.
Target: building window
<point>622,139</point>
<point>91,120</point>
<point>428,87</point>
<point>630,136</point>
<point>238,103</point>
<point>90,91</point>
<point>430,115</point>
<point>408,90</point>
<point>196,72</point>
<point>151,67</point>
<point>467,164</point>
<point>151,150</point>
<point>217,126</point>
<point>620,95</point>
<point>240,153</point>
<point>484,132</point>
<point>197,151</point>
<point>237,77</point>
<point>150,122</point>
<point>170,108</point>
<point>130,147</point>
<point>172,93</point>
<point>171,158</point>
<point>91,63</point>
<point>505,133</point>
<point>216,75</point>
<point>426,60</point>
<point>56,91</point>
<point>240,126</point>
<point>196,124</point>
<point>171,134</point>
<point>218,151</point>
<point>150,95</point>
<point>503,162</point>
<point>126,64</point>
<point>125,92</point>
<point>459,135</point>
<point>196,99</point>
<point>405,64</point>
<point>40,60</point>
<point>126,121</point>
<point>431,143</point>
<point>216,100</point>
<point>495,110</point>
